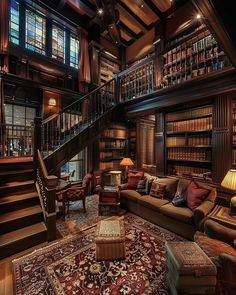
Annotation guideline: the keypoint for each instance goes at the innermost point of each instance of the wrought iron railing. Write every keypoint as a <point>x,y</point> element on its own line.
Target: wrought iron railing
<point>77,116</point>
<point>16,140</point>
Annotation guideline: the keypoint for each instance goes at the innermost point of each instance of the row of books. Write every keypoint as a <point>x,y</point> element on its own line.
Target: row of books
<point>234,128</point>
<point>186,170</point>
<point>114,133</point>
<point>190,125</point>
<point>234,116</point>
<point>116,144</point>
<point>109,165</point>
<point>234,139</point>
<point>187,49</point>
<point>190,141</point>
<point>112,154</point>
<point>190,113</point>
<point>195,154</point>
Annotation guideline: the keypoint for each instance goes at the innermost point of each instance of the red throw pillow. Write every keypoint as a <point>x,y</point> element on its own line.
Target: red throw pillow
<point>158,190</point>
<point>133,180</point>
<point>195,195</point>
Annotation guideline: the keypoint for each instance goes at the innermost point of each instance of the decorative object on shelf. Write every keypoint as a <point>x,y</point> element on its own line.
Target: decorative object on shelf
<point>229,182</point>
<point>127,162</point>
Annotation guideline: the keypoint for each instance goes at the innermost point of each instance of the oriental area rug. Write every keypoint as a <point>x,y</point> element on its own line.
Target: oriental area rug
<point>68,266</point>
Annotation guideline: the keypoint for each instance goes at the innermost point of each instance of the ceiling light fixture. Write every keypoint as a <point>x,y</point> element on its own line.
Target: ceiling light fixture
<point>198,16</point>
<point>142,5</point>
<point>100,11</point>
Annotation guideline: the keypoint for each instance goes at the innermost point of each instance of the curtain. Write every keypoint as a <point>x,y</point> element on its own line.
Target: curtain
<point>4,33</point>
<point>84,63</point>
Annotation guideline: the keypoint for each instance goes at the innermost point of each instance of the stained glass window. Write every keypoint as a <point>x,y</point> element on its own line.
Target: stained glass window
<point>58,43</point>
<point>74,52</point>
<point>14,22</point>
<point>35,32</point>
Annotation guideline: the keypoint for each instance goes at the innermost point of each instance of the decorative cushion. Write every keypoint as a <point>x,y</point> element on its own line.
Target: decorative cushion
<point>142,186</point>
<point>196,195</point>
<point>179,200</point>
<point>133,180</point>
<point>213,247</point>
<point>171,186</point>
<point>157,189</point>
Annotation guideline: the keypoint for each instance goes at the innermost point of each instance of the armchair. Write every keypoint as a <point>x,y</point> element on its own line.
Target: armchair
<point>219,243</point>
<point>76,191</point>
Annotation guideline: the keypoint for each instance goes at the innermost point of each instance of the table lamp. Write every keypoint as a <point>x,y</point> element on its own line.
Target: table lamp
<point>229,182</point>
<point>126,162</point>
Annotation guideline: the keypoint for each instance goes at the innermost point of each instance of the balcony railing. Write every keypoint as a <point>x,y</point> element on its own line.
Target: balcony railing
<point>16,140</point>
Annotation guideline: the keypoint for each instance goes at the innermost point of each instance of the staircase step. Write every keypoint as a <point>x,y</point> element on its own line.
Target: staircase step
<point>19,163</point>
<point>16,175</point>
<point>16,187</point>
<point>21,239</point>
<point>15,202</point>
<point>20,218</point>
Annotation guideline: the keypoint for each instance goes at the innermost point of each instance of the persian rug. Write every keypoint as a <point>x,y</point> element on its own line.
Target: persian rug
<point>69,266</point>
<point>78,220</point>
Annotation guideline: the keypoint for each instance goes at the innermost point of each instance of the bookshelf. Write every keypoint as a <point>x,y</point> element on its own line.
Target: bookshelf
<point>108,68</point>
<point>191,56</point>
<point>189,142</point>
<point>234,134</point>
<point>112,147</point>
<point>132,142</point>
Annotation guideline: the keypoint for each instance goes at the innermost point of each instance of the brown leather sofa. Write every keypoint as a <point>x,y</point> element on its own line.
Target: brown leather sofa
<point>180,220</point>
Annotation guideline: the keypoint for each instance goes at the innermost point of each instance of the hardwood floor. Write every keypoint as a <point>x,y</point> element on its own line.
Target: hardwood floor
<point>6,274</point>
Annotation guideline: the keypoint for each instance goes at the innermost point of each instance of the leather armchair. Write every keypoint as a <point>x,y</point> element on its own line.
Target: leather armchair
<point>219,243</point>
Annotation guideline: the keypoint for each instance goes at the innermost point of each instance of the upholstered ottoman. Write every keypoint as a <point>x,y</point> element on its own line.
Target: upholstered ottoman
<point>110,240</point>
<point>190,270</point>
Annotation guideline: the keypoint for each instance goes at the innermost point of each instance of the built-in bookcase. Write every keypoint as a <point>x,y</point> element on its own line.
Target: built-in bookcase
<point>189,142</point>
<point>112,146</point>
<point>108,68</point>
<point>191,56</point>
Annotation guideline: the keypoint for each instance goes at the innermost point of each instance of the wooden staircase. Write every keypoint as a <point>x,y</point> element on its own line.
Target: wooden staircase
<point>21,219</point>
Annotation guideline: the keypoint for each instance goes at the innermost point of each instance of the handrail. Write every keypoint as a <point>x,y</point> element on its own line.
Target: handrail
<point>73,103</point>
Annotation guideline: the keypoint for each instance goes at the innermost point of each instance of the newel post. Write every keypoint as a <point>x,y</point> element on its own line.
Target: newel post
<point>36,142</point>
<point>51,213</point>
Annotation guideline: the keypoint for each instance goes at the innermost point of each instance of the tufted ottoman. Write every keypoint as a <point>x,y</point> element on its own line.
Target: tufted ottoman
<point>190,270</point>
<point>110,240</point>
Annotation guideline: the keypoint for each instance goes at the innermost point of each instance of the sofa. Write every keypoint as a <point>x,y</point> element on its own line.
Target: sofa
<point>181,220</point>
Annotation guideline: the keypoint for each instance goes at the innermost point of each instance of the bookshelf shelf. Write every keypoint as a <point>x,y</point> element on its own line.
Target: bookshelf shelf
<point>112,146</point>
<point>189,142</point>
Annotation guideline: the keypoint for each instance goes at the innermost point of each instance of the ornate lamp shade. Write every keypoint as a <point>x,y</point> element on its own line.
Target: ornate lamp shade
<point>229,182</point>
<point>126,162</point>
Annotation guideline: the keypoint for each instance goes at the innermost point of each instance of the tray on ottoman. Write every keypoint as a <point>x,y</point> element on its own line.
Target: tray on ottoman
<point>110,240</point>
<point>190,270</point>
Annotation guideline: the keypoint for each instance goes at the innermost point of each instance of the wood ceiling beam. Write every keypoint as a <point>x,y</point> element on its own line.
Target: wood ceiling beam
<point>153,7</point>
<point>61,4</point>
<point>130,12</point>
<point>217,28</point>
<point>128,31</point>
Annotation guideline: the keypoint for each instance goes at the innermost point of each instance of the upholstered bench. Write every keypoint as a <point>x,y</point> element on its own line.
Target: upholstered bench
<point>190,270</point>
<point>110,240</point>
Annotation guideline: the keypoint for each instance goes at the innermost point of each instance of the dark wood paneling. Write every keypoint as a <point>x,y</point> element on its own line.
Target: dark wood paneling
<point>222,136</point>
<point>160,143</point>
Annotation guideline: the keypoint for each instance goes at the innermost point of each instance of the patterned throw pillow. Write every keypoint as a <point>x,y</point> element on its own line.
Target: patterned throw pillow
<point>157,190</point>
<point>196,195</point>
<point>179,199</point>
<point>141,186</point>
<point>133,180</point>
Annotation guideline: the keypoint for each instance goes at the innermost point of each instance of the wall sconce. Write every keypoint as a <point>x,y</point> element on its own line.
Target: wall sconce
<point>52,102</point>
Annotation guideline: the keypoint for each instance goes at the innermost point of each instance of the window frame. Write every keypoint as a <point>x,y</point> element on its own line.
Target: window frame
<point>64,53</point>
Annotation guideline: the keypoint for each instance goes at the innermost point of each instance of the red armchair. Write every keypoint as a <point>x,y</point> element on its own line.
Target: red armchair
<point>76,191</point>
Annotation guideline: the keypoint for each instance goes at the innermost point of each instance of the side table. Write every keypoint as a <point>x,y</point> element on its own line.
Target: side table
<point>109,202</point>
<point>221,215</point>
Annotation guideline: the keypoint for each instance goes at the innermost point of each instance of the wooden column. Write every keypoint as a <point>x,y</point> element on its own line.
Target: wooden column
<point>4,34</point>
<point>221,136</point>
<point>160,143</point>
<point>51,213</point>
